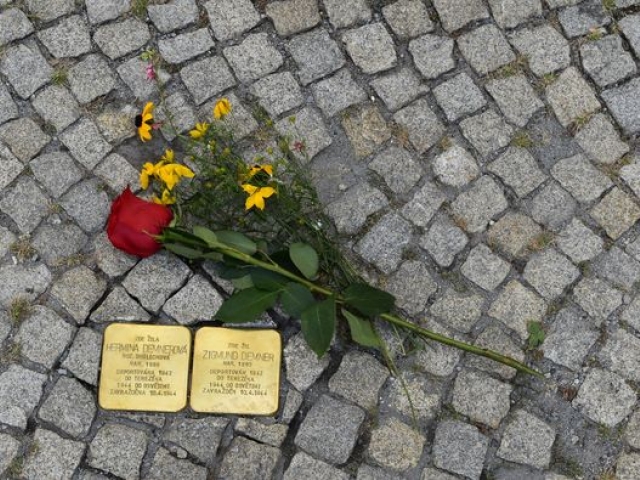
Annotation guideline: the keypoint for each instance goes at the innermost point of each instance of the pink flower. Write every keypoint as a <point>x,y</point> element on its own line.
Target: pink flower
<point>151,72</point>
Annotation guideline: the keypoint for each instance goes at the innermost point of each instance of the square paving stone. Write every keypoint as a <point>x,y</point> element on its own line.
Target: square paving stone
<point>495,338</point>
<point>169,274</point>
<point>350,212</point>
<point>597,298</point>
<point>200,437</point>
<point>85,143</point>
<point>605,397</point>
<point>475,207</point>
<point>422,125</point>
<point>487,132</point>
<point>24,138</point>
<point>254,58</point>
<point>486,49</point>
<point>183,47</point>
<point>545,48</point>
<point>552,206</point>
<point>631,176</point>
<point>20,392</point>
<point>366,129</point>
<point>47,10</point>
<point>118,449</point>
<point>630,26</point>
<point>167,466</point>
<point>408,18</point>
<point>116,172</point>
<point>70,407</point>
<point>316,55</point>
<point>196,301</point>
<point>484,268</point>
<point>56,106</point>
<point>25,68</point>
<point>578,242</point>
<point>518,169</point>
<point>624,103</point>
<point>396,445</point>
<point>7,238</point>
<point>455,167</point>
<point>398,168</point>
<point>481,398</point>
<point>632,434</point>
<point>88,205</point>
<point>359,379</point>
<point>57,243</point>
<point>305,466</point>
<point>459,96</point>
<point>433,474</point>
<point>571,97</point>
<point>459,311</point>
<point>91,78</point>
<point>307,127</point>
<point>432,55</point>
<point>82,360</point>
<point>293,16</point>
<point>14,25</point>
<point>119,307</point>
<point>516,306</point>
<point>25,204</point>
<point>22,281</point>
<point>516,98</point>
<point>231,18</point>
<point>9,448</point>
<point>511,13</point>
<point>628,466</point>
<point>606,61</point>
<point>271,434</point>
<point>174,15</point>
<point>618,268</point>
<point>44,336</point>
<point>278,93</point>
<point>425,397</point>
<point>527,440</point>
<point>69,38</point>
<point>621,354</point>
<point>248,460</point>
<point>412,296</point>
<point>580,178</point>
<point>183,116</point>
<point>444,241</point>
<point>371,48</point>
<point>600,140</point>
<point>338,92</point>
<point>100,11</point>
<point>8,108</point>
<point>330,430</point>
<point>437,359</point>
<point>118,39</point>
<point>581,19</point>
<point>550,273</point>
<point>56,171</point>
<point>513,233</point>
<point>302,365</point>
<point>78,290</point>
<point>133,74</point>
<point>459,448</point>
<point>563,346</point>
<point>397,89</point>
<point>55,456</point>
<point>424,204</point>
<point>455,14</point>
<point>345,13</point>
<point>384,244</point>
<point>109,259</point>
<point>616,213</point>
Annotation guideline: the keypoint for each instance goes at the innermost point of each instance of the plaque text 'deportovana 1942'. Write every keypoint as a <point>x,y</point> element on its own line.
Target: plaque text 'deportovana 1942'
<point>236,371</point>
<point>145,367</point>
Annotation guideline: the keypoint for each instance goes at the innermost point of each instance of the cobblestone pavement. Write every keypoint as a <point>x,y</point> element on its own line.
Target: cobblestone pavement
<point>478,158</point>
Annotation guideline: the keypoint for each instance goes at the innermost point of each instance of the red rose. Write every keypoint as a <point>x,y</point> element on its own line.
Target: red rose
<point>133,222</point>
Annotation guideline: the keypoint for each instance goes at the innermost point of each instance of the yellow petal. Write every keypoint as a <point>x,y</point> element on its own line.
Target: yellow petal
<point>144,180</point>
<point>222,108</point>
<point>168,156</point>
<point>183,171</point>
<point>250,189</point>
<point>144,131</point>
<point>266,192</point>
<point>259,201</point>
<point>250,202</point>
<point>269,169</point>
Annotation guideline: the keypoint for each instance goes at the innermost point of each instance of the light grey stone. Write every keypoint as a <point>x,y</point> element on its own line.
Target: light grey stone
<point>632,433</point>
<point>345,13</point>
<point>459,448</point>
<point>110,260</point>
<point>182,115</point>
<point>338,92</point>
<point>561,3</point>
<point>293,16</point>
<point>432,55</point>
<point>571,97</point>
<point>621,354</point>
<point>424,204</point>
<point>183,47</point>
<point>8,108</point>
<point>56,106</point>
<point>580,178</point>
<point>397,89</point>
<point>424,395</point>
<point>604,397</point>
<point>69,38</point>
<point>606,61</point>
<point>516,306</point>
<point>459,96</point>
<point>119,307</point>
<point>25,204</point>
<point>455,167</point>
<point>11,167</point>
<point>200,437</point>
<point>316,54</point>
<point>421,124</point>
<point>412,295</point>
<point>25,68</point>
<point>481,398</point>
<point>578,242</point>
<point>302,365</point>
<point>435,358</point>
<point>366,129</point>
<point>116,172</point>
<point>631,314</point>
<point>20,281</point>
<point>527,440</point>
<point>43,336</point>
<point>308,128</point>
<point>82,360</point>
<point>444,241</point>
<point>434,474</point>
<point>486,49</point>
<point>121,38</point>
<point>550,273</point>
<point>58,244</point>
<point>597,298</point>
<point>133,74</point>
<point>408,18</point>
<point>173,15</point>
<point>91,78</point>
<point>350,212</point>
<point>484,268</point>
<point>359,379</point>
<point>270,434</point>
<point>495,338</point>
<point>231,18</point>
<point>14,25</point>
<point>278,93</point>
<point>552,206</point>
<point>631,176</point>
<point>70,407</point>
<point>398,168</point>
<point>511,13</point>
<point>371,48</point>
<point>545,48</point>
<point>87,204</point>
<point>616,212</point>
<point>305,466</point>
<point>581,19</point>
<point>513,234</point>
<point>384,244</point>
<point>628,466</point>
<point>47,10</point>
<point>20,392</point>
<point>459,311</point>
<point>600,141</point>
<point>248,460</point>
<point>487,132</point>
<point>455,14</point>
<point>475,207</point>
<point>56,171</point>
<point>624,102</point>
<point>196,301</point>
<point>518,169</point>
<point>7,238</point>
<point>78,290</point>
<point>516,98</point>
<point>24,138</point>
<point>254,58</point>
<point>630,26</point>
<point>9,448</point>
<point>99,11</point>
<point>563,346</point>
<point>118,449</point>
<point>396,445</point>
<point>166,466</point>
<point>291,404</point>
<point>54,458</point>
<point>618,268</point>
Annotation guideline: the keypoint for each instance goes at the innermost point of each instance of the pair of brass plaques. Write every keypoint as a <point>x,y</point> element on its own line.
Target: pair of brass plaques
<point>146,368</point>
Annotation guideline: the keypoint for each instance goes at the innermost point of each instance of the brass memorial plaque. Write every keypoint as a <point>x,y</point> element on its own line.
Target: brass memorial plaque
<point>236,371</point>
<point>145,367</point>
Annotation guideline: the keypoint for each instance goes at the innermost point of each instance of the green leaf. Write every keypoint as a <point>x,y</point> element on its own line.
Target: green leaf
<point>186,252</point>
<point>305,258</point>
<point>180,236</point>
<point>266,280</point>
<point>362,331</point>
<point>536,334</point>
<point>205,234</point>
<point>318,325</point>
<point>215,256</point>
<point>237,240</point>
<point>242,283</point>
<point>295,299</point>
<point>368,300</point>
<point>246,305</point>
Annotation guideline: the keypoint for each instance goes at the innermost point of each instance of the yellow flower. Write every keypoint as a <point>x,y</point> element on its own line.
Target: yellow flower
<point>268,169</point>
<point>144,122</point>
<point>222,108</point>
<point>199,131</point>
<point>171,174</point>
<point>167,157</point>
<point>148,170</point>
<point>256,196</point>
<point>167,198</point>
